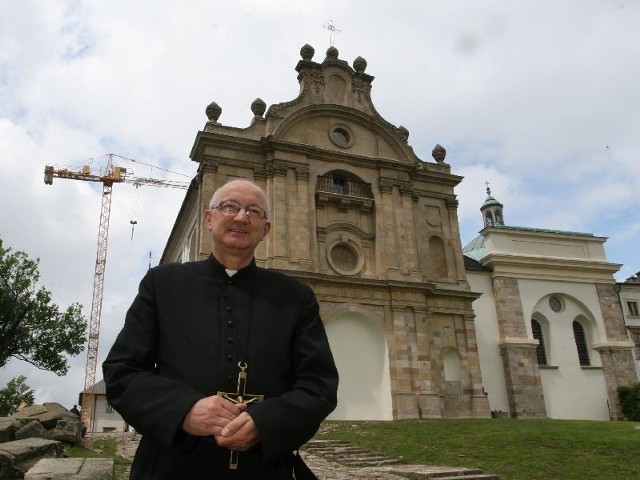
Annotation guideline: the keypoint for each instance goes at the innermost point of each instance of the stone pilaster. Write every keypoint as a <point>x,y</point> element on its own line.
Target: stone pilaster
<point>303,219</point>
<point>611,312</point>
<point>428,400</point>
<point>479,401</point>
<point>619,370</point>
<point>509,308</point>
<point>404,339</point>
<point>522,376</point>
<point>409,252</point>
<point>277,195</point>
<point>452,209</point>
<point>616,353</point>
<point>389,244</point>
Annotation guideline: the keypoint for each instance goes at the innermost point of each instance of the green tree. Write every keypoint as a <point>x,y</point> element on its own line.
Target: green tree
<point>13,395</point>
<point>32,328</point>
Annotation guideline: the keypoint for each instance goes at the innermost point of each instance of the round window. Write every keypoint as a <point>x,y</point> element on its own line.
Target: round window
<point>341,136</point>
<point>555,304</point>
<point>345,258</point>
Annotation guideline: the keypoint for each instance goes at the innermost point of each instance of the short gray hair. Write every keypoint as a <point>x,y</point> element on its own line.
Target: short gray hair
<point>213,202</point>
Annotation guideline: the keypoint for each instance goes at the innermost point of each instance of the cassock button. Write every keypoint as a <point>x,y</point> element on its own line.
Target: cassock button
<point>228,309</point>
<point>230,339</point>
<point>230,323</point>
<point>229,377</point>
<point>229,357</point>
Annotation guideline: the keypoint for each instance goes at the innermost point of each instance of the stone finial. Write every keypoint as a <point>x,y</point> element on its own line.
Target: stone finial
<point>332,52</point>
<point>213,112</point>
<point>439,153</point>
<point>258,107</point>
<point>360,65</point>
<point>404,133</point>
<point>307,52</point>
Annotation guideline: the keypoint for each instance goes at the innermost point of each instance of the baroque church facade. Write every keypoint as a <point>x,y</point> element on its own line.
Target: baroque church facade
<point>373,229</point>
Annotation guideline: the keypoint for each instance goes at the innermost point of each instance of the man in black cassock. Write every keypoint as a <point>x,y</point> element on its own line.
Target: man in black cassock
<point>222,366</point>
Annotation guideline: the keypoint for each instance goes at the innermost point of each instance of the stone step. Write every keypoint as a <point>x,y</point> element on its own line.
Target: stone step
<point>352,456</point>
<point>469,477</point>
<point>461,472</point>
<point>71,469</point>
<point>442,473</point>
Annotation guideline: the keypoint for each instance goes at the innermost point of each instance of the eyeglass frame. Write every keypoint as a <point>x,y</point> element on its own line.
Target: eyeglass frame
<point>237,207</point>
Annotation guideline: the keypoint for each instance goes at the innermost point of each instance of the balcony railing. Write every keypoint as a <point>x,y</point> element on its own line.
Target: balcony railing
<point>344,187</point>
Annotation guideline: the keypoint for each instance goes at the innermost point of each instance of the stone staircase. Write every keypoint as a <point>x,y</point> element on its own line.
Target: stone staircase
<point>352,456</point>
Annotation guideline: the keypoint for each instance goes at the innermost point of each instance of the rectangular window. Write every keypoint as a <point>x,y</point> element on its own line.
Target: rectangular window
<point>635,336</point>
<point>109,408</point>
<point>632,308</point>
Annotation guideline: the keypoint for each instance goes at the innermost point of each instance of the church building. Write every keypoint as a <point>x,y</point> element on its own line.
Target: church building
<point>418,329</point>
<point>551,332</point>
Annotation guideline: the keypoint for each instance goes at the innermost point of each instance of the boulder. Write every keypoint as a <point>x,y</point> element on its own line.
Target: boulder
<point>56,407</point>
<point>47,418</point>
<point>18,456</point>
<point>33,429</point>
<point>68,430</point>
<point>8,427</point>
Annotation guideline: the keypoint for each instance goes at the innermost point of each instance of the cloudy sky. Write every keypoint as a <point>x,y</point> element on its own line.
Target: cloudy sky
<point>540,98</point>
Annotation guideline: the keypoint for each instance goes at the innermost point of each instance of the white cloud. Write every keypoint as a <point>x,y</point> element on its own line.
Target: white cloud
<point>537,97</point>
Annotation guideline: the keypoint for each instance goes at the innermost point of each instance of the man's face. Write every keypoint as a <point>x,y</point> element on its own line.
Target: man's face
<point>237,233</point>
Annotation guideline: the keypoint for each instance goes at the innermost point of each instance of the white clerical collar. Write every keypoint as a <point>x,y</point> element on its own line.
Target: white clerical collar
<point>231,273</point>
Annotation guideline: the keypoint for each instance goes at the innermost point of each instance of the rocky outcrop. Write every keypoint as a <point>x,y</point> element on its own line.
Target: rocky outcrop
<point>34,433</point>
<point>49,420</point>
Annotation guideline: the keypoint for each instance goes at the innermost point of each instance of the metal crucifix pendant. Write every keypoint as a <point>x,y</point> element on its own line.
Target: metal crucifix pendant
<point>240,396</point>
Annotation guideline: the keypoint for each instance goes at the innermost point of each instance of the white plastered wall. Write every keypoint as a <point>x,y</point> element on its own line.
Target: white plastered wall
<point>487,336</point>
<point>360,351</point>
<point>570,390</point>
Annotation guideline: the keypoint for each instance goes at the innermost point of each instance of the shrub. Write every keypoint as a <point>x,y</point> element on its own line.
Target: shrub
<point>630,401</point>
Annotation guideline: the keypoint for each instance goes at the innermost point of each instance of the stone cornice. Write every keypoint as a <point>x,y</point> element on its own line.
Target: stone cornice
<point>601,346</point>
<point>549,268</point>
<point>205,140</point>
<point>518,342</point>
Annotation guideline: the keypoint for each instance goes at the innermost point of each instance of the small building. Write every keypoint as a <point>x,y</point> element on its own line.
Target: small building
<point>104,417</point>
<point>629,292</point>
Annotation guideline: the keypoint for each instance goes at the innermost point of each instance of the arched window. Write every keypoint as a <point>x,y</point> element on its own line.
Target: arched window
<point>488,220</point>
<point>541,350</point>
<point>581,343</point>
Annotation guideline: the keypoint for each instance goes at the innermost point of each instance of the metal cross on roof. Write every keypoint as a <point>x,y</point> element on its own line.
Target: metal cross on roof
<point>333,29</point>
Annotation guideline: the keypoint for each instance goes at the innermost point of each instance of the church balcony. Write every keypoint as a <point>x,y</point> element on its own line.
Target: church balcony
<point>344,194</point>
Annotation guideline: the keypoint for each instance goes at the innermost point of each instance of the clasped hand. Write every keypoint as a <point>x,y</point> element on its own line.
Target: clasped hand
<point>229,423</point>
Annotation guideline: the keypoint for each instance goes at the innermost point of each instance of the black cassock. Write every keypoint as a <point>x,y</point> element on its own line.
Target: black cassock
<point>182,340</point>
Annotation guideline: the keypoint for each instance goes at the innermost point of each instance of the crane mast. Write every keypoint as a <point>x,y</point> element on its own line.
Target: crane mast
<point>111,175</point>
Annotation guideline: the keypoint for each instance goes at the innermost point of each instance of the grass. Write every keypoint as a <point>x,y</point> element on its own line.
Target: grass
<point>512,449</point>
<point>103,448</point>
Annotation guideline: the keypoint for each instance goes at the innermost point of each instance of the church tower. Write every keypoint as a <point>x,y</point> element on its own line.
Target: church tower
<point>372,228</point>
<point>492,211</point>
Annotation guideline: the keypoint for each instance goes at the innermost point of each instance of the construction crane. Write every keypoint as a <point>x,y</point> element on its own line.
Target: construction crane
<point>110,175</point>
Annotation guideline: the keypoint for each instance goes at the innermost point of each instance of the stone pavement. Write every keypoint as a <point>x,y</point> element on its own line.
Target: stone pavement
<point>324,469</point>
<point>354,465</point>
